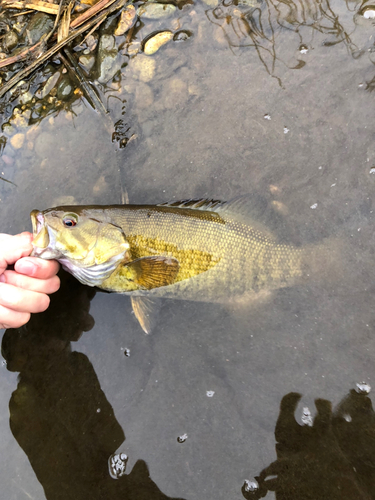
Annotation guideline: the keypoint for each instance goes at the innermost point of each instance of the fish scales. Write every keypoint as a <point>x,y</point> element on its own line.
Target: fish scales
<point>240,259</point>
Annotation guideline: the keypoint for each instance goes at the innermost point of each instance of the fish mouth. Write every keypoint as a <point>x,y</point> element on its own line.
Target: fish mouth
<point>44,239</point>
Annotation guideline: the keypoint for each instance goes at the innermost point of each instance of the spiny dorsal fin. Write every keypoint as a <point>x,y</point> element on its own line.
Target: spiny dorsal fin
<point>244,209</point>
<point>254,210</point>
<point>195,204</point>
<point>146,311</point>
<point>155,271</point>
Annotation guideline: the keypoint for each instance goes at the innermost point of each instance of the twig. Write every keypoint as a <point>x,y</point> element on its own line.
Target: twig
<point>56,48</point>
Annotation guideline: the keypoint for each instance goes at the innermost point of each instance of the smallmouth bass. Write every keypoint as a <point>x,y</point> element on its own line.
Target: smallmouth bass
<point>202,250</point>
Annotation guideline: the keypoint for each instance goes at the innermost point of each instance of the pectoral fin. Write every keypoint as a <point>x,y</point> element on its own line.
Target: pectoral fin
<point>146,311</point>
<point>153,272</point>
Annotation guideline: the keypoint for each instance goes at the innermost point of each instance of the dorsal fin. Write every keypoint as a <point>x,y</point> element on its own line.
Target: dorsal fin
<point>195,204</point>
<point>252,209</point>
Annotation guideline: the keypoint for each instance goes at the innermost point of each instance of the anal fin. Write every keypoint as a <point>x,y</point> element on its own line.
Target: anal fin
<point>146,311</point>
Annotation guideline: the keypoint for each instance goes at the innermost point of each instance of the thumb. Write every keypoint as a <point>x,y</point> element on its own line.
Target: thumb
<point>13,248</point>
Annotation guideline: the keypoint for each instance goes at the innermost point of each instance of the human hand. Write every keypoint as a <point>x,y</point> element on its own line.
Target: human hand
<point>24,290</point>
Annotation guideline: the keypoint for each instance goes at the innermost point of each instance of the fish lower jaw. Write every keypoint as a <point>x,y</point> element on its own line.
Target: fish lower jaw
<point>45,253</point>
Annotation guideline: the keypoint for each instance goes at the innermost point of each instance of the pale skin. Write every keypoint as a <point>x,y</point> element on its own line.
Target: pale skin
<point>24,290</point>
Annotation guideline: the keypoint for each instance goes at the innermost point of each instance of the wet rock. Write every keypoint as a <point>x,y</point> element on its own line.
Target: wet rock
<point>39,25</point>
<point>48,86</point>
<point>10,41</point>
<point>65,89</point>
<point>182,36</point>
<point>144,68</point>
<point>108,59</point>
<point>127,20</point>
<point>154,43</point>
<point>211,3</point>
<point>249,3</point>
<point>17,140</point>
<point>156,10</point>
<point>87,62</point>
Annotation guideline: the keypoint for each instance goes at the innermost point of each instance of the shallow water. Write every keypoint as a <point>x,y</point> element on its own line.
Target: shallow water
<point>239,107</point>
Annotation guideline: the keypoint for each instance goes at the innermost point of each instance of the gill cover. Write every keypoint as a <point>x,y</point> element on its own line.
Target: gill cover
<point>88,248</point>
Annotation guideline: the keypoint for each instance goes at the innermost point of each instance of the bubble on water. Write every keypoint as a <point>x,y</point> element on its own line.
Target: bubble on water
<point>306,417</point>
<point>98,410</point>
<point>347,417</point>
<point>313,207</point>
<point>4,363</point>
<point>372,170</point>
<point>182,438</point>
<point>303,49</point>
<point>286,130</point>
<point>363,388</point>
<point>267,116</point>
<point>117,465</point>
<point>250,486</point>
<point>127,352</point>
<point>209,394</point>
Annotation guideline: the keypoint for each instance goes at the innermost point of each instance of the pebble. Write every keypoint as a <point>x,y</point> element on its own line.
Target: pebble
<point>17,140</point>
<point>156,10</point>
<point>10,41</point>
<point>87,62</point>
<point>211,3</point>
<point>154,43</point>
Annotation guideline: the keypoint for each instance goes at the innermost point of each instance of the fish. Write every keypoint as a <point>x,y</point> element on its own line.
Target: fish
<point>196,249</point>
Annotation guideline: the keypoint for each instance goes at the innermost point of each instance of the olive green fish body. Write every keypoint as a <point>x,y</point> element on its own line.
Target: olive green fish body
<point>202,250</point>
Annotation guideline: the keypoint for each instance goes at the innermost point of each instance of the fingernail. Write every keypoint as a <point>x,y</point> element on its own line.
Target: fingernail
<point>26,266</point>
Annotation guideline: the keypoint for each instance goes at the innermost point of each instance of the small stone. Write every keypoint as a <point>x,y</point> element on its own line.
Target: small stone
<point>17,140</point>
<point>153,44</point>
<point>65,89</point>
<point>156,10</point>
<point>363,388</point>
<point>182,438</point>
<point>211,3</point>
<point>267,116</point>
<point>182,36</point>
<point>10,41</point>
<point>87,61</point>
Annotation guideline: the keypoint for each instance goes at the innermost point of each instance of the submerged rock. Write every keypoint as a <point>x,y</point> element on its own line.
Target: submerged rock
<point>39,25</point>
<point>154,43</point>
<point>65,89</point>
<point>144,68</point>
<point>87,61</point>
<point>156,10</point>
<point>10,41</point>
<point>108,59</point>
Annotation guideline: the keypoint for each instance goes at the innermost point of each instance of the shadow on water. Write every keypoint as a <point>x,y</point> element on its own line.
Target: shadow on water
<point>329,457</point>
<point>60,416</point>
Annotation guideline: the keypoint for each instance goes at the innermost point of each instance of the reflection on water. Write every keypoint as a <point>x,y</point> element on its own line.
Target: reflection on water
<point>330,457</point>
<point>58,414</point>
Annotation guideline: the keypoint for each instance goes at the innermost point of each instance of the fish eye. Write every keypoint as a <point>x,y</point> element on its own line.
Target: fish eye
<point>70,220</point>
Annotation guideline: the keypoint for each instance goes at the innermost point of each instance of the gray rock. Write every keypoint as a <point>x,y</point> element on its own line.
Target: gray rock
<point>108,59</point>
<point>39,25</point>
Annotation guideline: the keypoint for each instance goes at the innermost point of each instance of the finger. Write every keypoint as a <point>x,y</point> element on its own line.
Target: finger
<point>21,300</point>
<point>12,319</point>
<point>37,268</point>
<point>50,285</point>
<point>13,248</point>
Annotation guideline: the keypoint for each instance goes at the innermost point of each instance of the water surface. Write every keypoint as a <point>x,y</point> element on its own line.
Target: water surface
<point>272,98</point>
